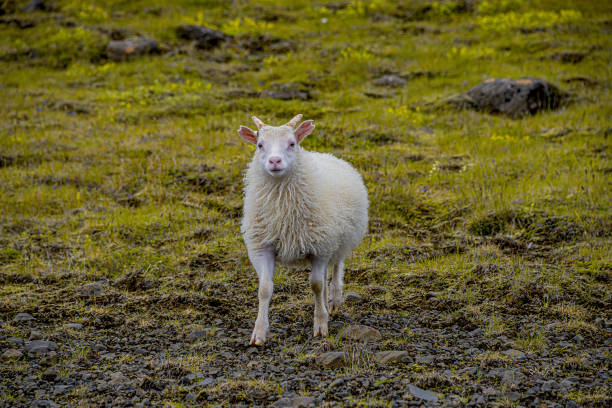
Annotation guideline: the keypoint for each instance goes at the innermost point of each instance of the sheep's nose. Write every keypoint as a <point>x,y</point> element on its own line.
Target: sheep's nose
<point>275,160</point>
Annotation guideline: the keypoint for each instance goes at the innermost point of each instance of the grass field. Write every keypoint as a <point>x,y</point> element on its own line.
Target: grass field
<point>129,175</point>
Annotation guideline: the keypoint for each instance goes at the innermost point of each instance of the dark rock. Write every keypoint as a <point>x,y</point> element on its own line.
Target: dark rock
<point>352,298</point>
<point>548,386</point>
<point>427,359</point>
<point>61,389</point>
<point>514,354</point>
<point>295,402</point>
<point>192,396</point>
<point>422,394</point>
<point>197,334</point>
<point>92,290</point>
<point>263,42</point>
<point>512,378</point>
<point>205,38</point>
<point>16,341</point>
<point>36,5</point>
<point>336,383</point>
<point>476,332</point>
<point>569,57</point>
<point>40,346</point>
<point>362,333</point>
<point>578,338</point>
<point>23,317</point>
<point>11,354</point>
<point>392,356</point>
<point>50,374</point>
<point>44,404</point>
<point>392,81</point>
<point>512,396</point>
<point>127,49</point>
<point>332,359</point>
<point>286,92</point>
<point>36,335</point>
<point>512,97</point>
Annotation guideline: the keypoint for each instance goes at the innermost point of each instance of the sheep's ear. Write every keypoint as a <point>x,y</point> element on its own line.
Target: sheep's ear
<point>304,130</point>
<point>247,134</point>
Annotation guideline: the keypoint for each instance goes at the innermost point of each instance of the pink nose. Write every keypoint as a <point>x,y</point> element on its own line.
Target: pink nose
<point>275,160</point>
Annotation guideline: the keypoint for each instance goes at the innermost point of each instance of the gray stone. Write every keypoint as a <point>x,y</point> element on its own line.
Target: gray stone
<point>73,326</point>
<point>11,354</point>
<point>44,404</point>
<point>36,335</point>
<point>205,38</point>
<point>127,49</point>
<point>117,378</point>
<point>197,334</point>
<point>332,359</point>
<point>427,359</point>
<point>352,298</point>
<point>548,386</point>
<point>476,332</point>
<point>92,290</point>
<point>392,356</point>
<point>514,97</point>
<point>512,378</point>
<point>336,383</point>
<point>515,354</point>
<point>192,396</point>
<point>512,396</point>
<point>206,382</point>
<point>40,346</point>
<point>23,317</point>
<point>295,402</point>
<point>422,394</point>
<point>392,81</point>
<point>61,388</point>
<point>16,341</point>
<point>50,374</point>
<point>362,333</point>
<point>578,338</point>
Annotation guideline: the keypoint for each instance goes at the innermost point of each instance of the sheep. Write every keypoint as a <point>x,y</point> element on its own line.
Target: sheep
<point>300,207</point>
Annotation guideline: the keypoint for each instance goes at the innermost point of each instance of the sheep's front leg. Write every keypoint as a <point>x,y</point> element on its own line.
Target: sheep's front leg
<point>263,262</point>
<point>336,287</point>
<point>318,283</point>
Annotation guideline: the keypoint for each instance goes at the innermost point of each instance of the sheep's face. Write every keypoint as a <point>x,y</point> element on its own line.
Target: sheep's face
<point>277,146</point>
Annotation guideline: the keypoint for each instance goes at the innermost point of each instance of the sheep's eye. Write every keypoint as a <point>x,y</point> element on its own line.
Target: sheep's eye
<point>292,144</point>
<point>260,145</point>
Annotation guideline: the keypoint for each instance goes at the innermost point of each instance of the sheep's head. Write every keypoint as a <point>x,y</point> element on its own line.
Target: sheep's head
<point>277,146</point>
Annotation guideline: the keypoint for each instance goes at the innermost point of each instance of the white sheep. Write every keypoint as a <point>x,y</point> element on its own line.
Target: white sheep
<point>299,206</point>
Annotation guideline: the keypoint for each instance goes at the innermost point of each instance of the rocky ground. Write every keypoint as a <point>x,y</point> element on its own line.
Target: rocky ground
<point>481,129</point>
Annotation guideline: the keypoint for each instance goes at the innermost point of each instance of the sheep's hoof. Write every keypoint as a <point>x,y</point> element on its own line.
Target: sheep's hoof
<point>257,342</point>
<point>334,305</point>
<point>320,329</point>
<point>257,338</point>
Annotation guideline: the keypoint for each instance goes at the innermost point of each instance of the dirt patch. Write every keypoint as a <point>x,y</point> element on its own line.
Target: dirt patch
<point>497,222</point>
<point>201,178</point>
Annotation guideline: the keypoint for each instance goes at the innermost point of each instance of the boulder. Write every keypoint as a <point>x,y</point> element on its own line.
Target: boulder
<point>40,346</point>
<point>23,317</point>
<point>205,38</point>
<point>332,359</point>
<point>422,394</point>
<point>126,49</point>
<point>11,354</point>
<point>392,356</point>
<point>362,333</point>
<point>513,97</point>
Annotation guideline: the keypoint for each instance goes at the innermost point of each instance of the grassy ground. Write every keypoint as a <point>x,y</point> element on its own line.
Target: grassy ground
<point>129,174</point>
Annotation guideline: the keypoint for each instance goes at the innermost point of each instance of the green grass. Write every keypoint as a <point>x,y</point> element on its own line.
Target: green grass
<point>111,168</point>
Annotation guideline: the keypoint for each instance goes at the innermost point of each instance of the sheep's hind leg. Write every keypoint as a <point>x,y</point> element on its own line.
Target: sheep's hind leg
<point>318,282</point>
<point>263,261</point>
<point>336,287</point>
